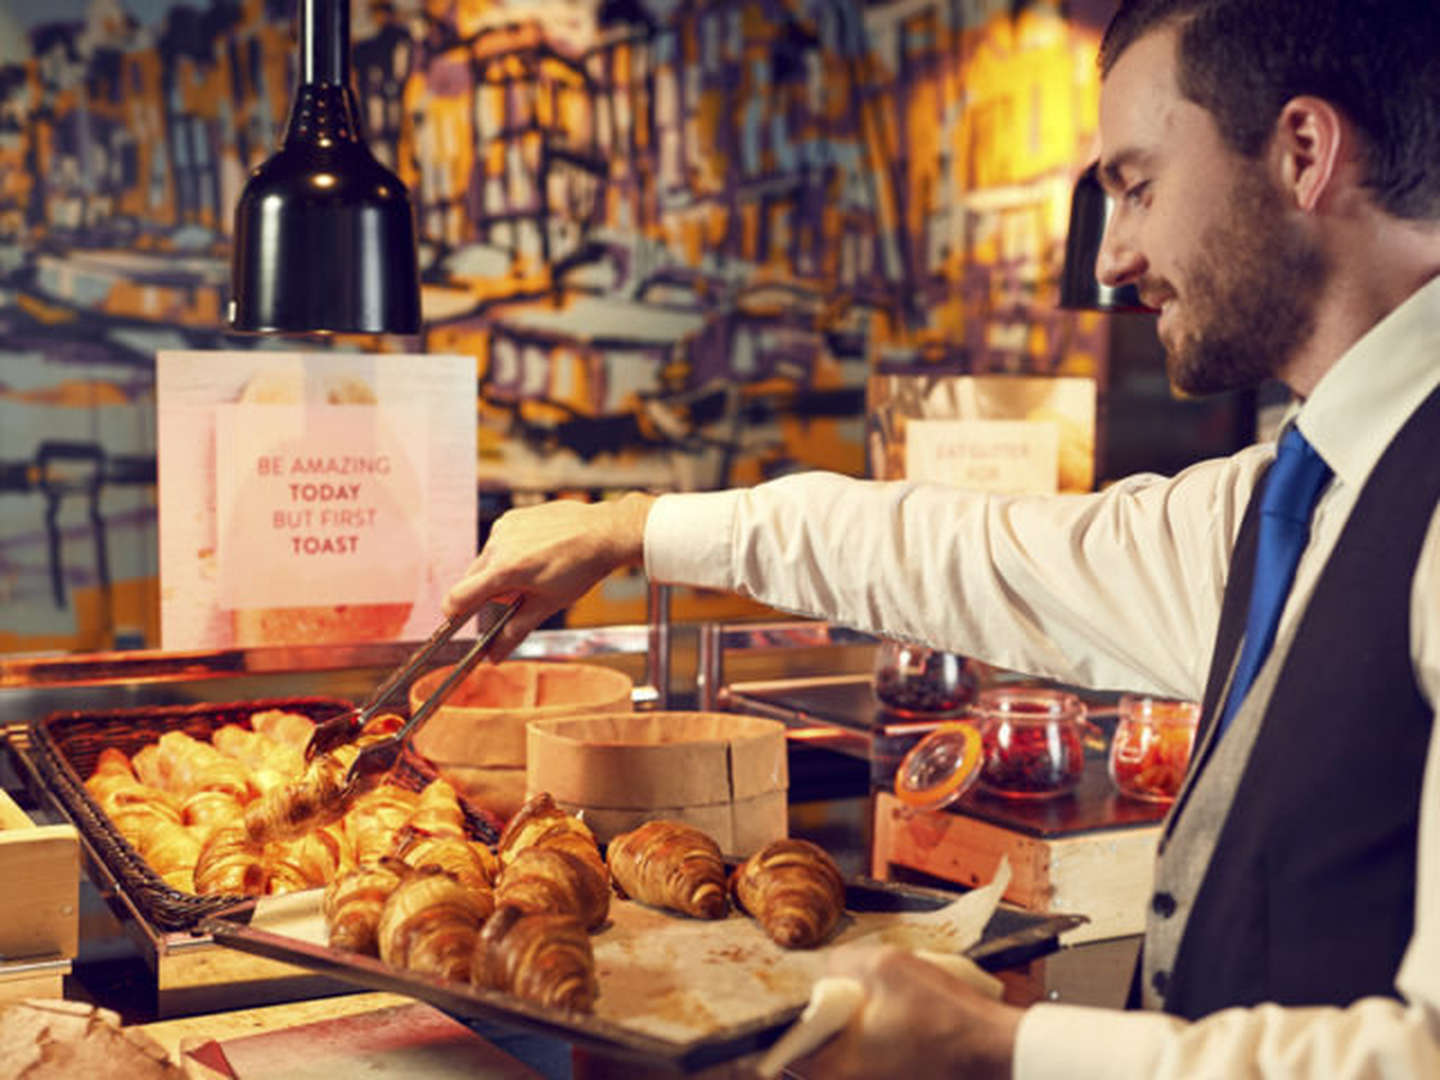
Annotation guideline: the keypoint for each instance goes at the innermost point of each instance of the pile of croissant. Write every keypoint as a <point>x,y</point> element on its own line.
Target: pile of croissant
<point>244,813</point>
<point>521,922</point>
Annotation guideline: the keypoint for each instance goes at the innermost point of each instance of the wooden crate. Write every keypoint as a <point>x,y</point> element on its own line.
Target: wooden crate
<point>39,910</point>
<point>1105,874</point>
<point>26,980</point>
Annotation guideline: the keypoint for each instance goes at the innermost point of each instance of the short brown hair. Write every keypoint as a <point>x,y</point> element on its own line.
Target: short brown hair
<point>1377,61</point>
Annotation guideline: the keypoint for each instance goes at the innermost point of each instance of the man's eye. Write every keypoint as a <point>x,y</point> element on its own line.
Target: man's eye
<point>1135,194</point>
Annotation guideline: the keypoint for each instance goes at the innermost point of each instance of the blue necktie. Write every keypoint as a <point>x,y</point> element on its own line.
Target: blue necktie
<point>1291,490</point>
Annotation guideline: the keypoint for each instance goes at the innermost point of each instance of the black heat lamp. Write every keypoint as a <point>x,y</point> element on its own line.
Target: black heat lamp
<point>1080,289</point>
<point>324,233</point>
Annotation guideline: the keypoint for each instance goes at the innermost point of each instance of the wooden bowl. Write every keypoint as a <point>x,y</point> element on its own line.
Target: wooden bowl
<point>722,772</point>
<point>477,738</point>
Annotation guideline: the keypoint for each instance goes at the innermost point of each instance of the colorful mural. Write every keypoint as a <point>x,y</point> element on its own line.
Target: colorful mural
<point>676,235</point>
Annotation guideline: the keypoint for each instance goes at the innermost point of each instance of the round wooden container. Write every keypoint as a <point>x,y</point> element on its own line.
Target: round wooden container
<point>477,738</point>
<point>721,772</point>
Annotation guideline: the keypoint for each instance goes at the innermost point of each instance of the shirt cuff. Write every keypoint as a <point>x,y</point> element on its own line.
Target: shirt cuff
<point>687,539</point>
<point>1076,1042</point>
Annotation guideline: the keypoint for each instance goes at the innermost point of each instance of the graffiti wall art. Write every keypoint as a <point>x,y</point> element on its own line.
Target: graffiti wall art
<point>677,236</point>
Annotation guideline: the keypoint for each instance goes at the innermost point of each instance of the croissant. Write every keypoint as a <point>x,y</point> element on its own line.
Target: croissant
<point>146,764</point>
<point>376,817</point>
<point>316,798</point>
<point>206,810</point>
<point>286,728</point>
<point>670,864</point>
<point>438,812</point>
<point>230,862</point>
<point>353,902</point>
<point>556,880</point>
<point>114,791</point>
<point>429,924</point>
<point>171,850</point>
<point>794,889</point>
<point>541,957</point>
<point>113,759</point>
<point>301,863</point>
<point>135,819</point>
<point>258,751</point>
<point>472,864</point>
<point>540,823</point>
<point>186,764</point>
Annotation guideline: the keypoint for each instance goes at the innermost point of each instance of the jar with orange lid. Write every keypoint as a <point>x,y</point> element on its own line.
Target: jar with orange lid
<point>1150,749</point>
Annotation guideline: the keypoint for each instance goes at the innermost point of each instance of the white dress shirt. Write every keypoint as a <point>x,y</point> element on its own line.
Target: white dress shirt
<point>1117,590</point>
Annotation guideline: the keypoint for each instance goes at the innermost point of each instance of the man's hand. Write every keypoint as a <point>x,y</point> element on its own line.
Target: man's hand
<point>550,554</point>
<point>917,1020</point>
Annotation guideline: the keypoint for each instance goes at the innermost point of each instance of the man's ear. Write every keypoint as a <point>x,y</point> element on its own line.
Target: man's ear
<point>1310,146</point>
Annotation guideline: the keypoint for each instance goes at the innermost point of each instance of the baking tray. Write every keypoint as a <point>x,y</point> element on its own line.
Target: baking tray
<point>64,747</point>
<point>1012,937</point>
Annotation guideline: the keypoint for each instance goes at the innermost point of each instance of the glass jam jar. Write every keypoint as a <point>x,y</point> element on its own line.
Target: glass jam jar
<point>1033,738</point>
<point>915,680</point>
<point>1150,749</point>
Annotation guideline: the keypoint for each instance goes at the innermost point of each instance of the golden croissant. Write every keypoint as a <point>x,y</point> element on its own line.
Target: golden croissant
<point>670,864</point>
<point>429,924</point>
<point>540,957</point>
<point>206,811</point>
<point>353,902</point>
<point>230,862</point>
<point>795,891</point>
<point>540,823</point>
<point>285,728</point>
<point>556,880</point>
<point>375,819</point>
<point>171,850</point>
<point>438,811</point>
<point>300,863</point>
<point>472,864</point>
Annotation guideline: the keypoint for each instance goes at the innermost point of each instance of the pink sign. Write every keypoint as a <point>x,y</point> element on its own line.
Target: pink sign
<point>308,498</point>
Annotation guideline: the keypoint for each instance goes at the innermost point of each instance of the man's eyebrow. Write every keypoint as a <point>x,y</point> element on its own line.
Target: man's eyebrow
<point>1113,166</point>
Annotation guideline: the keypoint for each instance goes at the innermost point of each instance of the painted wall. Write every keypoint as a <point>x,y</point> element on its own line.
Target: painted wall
<point>677,237</point>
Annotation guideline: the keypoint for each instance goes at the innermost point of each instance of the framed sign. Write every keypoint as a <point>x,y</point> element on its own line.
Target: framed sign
<point>308,498</point>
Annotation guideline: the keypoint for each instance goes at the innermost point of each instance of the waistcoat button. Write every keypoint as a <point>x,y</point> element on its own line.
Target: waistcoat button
<point>1163,904</point>
<point>1159,981</point>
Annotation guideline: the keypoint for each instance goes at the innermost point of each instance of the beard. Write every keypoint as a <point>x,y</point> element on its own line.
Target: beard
<point>1251,295</point>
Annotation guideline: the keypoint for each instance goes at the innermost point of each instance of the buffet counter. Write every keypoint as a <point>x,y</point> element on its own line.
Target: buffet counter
<point>186,991</point>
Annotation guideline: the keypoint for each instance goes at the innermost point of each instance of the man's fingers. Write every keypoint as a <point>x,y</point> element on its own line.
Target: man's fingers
<point>513,633</point>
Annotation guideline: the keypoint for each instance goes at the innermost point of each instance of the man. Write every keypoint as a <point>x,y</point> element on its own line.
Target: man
<point>1276,166</point>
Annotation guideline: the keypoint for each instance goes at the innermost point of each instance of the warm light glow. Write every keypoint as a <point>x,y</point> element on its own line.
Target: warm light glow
<point>323,180</point>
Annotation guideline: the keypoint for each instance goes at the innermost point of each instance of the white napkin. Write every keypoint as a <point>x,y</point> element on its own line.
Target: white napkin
<point>834,999</point>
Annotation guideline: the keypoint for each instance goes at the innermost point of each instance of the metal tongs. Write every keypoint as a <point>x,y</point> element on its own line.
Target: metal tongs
<point>379,757</point>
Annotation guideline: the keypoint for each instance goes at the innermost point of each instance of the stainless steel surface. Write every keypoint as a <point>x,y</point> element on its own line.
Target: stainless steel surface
<point>659,645</point>
<point>710,668</point>
<point>717,639</point>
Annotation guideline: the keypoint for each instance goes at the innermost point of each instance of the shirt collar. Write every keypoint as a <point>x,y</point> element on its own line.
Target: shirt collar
<point>1360,404</point>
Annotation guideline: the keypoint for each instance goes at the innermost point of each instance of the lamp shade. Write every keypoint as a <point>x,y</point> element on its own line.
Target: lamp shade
<point>1079,287</point>
<point>324,233</point>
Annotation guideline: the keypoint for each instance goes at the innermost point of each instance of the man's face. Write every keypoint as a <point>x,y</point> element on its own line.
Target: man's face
<point>1204,233</point>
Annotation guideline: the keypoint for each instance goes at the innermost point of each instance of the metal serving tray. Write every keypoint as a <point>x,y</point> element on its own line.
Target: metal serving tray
<point>1011,938</point>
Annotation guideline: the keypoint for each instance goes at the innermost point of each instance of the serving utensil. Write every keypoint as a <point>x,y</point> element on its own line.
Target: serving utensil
<point>380,756</point>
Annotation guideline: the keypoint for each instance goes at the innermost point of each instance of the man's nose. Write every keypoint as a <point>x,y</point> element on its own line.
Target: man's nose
<point>1119,261</point>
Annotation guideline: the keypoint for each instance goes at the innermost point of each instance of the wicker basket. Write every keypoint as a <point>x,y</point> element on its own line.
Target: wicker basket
<point>66,745</point>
